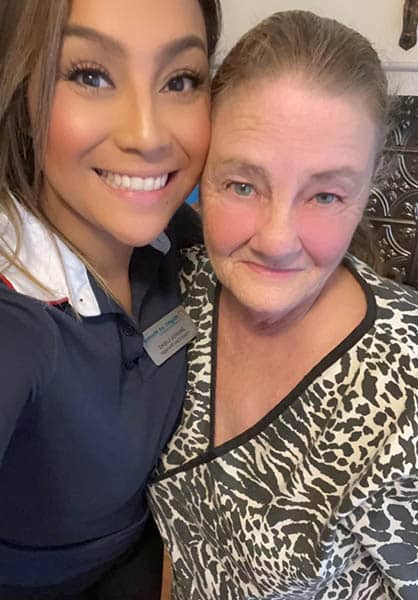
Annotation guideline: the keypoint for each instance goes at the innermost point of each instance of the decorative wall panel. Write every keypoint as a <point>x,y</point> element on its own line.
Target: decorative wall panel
<point>393,206</point>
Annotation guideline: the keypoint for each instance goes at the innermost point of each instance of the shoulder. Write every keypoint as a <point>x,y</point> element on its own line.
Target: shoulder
<point>27,358</point>
<point>387,291</point>
<point>396,306</point>
<point>28,337</point>
<point>386,360</point>
<point>395,329</point>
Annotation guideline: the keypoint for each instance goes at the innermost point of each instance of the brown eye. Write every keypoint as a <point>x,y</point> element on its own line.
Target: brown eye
<point>183,83</point>
<point>91,78</point>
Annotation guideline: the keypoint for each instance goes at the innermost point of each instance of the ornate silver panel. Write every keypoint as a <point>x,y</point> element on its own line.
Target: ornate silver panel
<point>393,205</point>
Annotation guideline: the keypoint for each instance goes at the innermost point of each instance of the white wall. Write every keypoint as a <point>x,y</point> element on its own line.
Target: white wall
<point>379,20</point>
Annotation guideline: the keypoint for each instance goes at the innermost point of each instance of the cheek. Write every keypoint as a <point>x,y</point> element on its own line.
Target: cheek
<point>226,227</point>
<point>74,127</point>
<point>190,126</point>
<point>326,239</point>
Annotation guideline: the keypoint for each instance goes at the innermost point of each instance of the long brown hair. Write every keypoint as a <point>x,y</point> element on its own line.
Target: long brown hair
<point>30,34</point>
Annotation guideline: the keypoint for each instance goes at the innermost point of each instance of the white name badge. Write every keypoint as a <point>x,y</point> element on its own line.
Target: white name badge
<point>165,337</point>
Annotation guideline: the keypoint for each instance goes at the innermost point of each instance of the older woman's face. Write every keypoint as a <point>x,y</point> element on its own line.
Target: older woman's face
<point>285,186</point>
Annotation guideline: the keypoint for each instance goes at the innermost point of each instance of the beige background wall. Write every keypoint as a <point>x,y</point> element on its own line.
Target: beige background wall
<point>379,20</point>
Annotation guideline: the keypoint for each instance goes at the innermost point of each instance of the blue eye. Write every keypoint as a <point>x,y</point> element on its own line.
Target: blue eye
<point>325,198</point>
<point>93,78</point>
<point>242,189</point>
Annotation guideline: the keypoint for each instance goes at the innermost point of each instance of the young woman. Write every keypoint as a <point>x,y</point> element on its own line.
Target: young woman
<point>294,471</point>
<point>104,114</point>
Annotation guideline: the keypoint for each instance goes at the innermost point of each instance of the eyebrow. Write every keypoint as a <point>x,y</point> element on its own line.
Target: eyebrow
<point>244,167</point>
<point>113,46</point>
<point>257,171</point>
<point>241,165</point>
<point>346,172</point>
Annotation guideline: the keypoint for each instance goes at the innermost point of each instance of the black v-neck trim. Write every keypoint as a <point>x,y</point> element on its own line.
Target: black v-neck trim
<point>349,341</point>
<point>330,358</point>
<point>214,365</point>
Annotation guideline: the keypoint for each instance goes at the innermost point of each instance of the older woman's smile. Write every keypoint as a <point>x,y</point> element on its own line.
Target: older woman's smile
<point>271,271</point>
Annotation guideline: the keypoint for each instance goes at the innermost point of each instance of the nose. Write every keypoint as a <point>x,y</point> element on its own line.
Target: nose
<point>276,237</point>
<point>140,127</point>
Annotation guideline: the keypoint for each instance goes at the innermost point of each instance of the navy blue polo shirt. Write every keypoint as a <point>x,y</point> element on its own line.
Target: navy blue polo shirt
<point>84,411</point>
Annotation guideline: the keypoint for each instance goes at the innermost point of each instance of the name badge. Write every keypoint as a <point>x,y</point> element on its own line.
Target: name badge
<point>165,337</point>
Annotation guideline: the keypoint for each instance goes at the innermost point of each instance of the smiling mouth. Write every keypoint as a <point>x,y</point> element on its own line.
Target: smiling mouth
<point>120,181</point>
<point>272,269</point>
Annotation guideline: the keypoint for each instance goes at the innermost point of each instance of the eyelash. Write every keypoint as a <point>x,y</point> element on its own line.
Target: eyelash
<point>79,68</point>
<point>196,78</point>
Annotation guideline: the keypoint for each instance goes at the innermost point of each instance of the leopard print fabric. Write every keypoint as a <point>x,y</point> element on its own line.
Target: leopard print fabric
<point>319,500</point>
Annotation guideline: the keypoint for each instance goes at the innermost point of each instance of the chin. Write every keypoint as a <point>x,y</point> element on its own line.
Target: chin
<point>259,308</point>
<point>267,310</point>
<point>144,233</point>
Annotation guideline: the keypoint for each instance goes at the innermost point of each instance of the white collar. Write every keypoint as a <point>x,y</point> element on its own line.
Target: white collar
<point>52,263</point>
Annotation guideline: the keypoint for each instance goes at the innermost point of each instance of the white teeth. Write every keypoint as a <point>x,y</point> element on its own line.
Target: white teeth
<point>137,184</point>
<point>149,183</point>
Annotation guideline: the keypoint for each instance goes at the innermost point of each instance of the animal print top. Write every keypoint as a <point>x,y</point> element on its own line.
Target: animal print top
<point>318,500</point>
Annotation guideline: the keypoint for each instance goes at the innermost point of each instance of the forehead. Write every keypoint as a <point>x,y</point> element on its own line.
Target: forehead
<point>285,119</point>
<point>141,25</point>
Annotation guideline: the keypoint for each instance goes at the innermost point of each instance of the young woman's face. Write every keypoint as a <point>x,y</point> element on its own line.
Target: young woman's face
<point>286,183</point>
<point>129,127</point>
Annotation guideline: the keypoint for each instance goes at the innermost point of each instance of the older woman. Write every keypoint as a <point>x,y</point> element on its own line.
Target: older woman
<point>293,473</point>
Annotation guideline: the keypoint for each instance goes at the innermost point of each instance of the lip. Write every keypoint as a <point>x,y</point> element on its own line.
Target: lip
<point>271,272</point>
